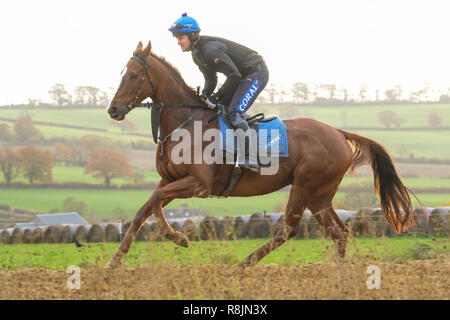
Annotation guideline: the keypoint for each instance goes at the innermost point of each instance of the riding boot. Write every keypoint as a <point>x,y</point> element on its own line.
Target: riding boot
<point>250,162</point>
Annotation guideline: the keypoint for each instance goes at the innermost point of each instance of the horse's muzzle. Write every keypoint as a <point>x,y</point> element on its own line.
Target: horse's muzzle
<point>117,113</point>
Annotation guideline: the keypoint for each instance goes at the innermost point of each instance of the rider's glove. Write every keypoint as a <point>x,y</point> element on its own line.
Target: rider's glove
<point>212,101</point>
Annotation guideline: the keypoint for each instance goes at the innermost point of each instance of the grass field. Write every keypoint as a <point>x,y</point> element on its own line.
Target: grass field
<point>102,203</point>
<point>51,132</point>
<point>76,174</point>
<point>409,182</point>
<point>355,116</point>
<point>429,144</point>
<point>360,116</point>
<point>409,268</point>
<point>296,252</point>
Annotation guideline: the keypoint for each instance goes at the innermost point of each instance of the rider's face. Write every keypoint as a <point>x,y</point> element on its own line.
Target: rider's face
<point>184,42</point>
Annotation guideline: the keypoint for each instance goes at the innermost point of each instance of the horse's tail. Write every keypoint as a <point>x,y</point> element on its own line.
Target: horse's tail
<point>396,205</point>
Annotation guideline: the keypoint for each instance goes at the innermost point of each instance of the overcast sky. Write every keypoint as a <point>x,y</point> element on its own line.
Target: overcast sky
<point>77,42</point>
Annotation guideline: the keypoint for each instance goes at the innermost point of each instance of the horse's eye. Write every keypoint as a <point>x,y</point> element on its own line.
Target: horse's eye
<point>133,76</point>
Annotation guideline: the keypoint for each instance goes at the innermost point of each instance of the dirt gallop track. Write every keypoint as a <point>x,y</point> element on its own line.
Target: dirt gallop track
<point>425,279</point>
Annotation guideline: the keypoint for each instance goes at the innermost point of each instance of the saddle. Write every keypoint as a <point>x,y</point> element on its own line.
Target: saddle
<point>254,122</point>
<point>251,120</point>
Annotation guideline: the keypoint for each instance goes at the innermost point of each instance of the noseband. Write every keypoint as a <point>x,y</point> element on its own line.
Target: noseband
<point>146,65</point>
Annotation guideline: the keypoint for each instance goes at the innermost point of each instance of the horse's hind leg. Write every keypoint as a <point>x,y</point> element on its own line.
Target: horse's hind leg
<point>323,211</point>
<point>287,229</point>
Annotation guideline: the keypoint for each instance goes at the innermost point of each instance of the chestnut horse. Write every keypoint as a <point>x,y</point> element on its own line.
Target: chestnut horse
<point>319,156</point>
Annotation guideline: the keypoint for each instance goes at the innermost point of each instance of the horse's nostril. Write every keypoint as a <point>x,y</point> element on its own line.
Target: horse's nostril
<point>112,110</point>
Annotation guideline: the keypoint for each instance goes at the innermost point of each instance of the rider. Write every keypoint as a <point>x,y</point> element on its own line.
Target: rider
<point>245,70</point>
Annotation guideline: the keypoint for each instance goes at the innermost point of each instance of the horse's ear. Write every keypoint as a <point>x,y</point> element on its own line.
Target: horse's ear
<point>139,46</point>
<point>148,49</point>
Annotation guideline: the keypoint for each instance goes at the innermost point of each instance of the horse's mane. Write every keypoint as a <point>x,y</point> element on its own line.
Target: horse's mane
<point>175,73</point>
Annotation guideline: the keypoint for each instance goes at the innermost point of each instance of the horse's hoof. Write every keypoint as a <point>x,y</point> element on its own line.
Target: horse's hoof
<point>182,240</point>
<point>113,263</point>
<point>243,264</point>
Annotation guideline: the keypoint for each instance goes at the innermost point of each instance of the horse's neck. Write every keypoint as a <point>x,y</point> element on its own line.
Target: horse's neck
<point>172,92</point>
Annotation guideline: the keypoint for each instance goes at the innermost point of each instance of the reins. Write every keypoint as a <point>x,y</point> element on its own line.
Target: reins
<point>171,105</point>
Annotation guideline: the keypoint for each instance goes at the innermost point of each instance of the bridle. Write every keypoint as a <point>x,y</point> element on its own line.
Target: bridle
<point>146,65</point>
<point>159,106</point>
<point>134,104</point>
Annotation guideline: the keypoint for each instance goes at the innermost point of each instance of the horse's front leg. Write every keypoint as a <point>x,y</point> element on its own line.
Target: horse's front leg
<point>141,216</point>
<point>187,187</point>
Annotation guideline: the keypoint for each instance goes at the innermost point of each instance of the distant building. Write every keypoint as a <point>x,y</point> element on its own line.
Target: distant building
<point>54,218</point>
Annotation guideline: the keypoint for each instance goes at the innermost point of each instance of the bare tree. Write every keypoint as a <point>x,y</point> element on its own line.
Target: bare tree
<point>445,97</point>
<point>34,102</point>
<point>80,96</point>
<point>59,95</point>
<point>330,89</point>
<point>395,94</point>
<point>398,121</point>
<point>345,94</point>
<point>388,118</point>
<point>377,95</point>
<point>435,119</point>
<point>93,95</point>
<point>300,91</point>
<point>103,98</point>
<point>282,94</point>
<point>272,92</point>
<point>363,93</point>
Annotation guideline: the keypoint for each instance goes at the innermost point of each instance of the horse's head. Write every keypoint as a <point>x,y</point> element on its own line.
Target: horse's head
<point>135,86</point>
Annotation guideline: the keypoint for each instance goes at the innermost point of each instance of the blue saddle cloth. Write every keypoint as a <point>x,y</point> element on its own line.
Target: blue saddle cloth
<point>271,136</point>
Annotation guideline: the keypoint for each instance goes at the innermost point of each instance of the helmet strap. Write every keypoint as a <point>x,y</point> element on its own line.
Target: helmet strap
<point>193,36</point>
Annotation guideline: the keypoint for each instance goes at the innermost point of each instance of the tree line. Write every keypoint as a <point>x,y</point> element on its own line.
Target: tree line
<point>301,93</point>
<point>298,93</point>
<point>81,96</point>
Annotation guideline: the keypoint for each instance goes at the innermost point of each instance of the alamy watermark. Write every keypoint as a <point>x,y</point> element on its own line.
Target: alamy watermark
<point>74,281</point>
<point>208,147</point>
<point>374,281</point>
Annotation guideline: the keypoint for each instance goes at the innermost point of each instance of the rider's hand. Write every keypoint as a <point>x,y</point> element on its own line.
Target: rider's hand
<point>211,101</point>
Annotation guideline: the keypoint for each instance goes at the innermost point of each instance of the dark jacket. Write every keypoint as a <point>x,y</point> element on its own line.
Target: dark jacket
<point>213,54</point>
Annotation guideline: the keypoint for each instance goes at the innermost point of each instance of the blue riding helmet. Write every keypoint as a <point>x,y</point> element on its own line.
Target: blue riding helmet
<point>184,25</point>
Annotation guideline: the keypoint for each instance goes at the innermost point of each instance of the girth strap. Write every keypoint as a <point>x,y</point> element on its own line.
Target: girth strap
<point>233,182</point>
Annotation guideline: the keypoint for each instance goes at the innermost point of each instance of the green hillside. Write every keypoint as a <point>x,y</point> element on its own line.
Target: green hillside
<point>411,143</point>
<point>102,203</point>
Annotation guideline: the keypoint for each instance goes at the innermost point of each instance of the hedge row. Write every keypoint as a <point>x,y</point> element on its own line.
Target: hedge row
<point>81,185</point>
